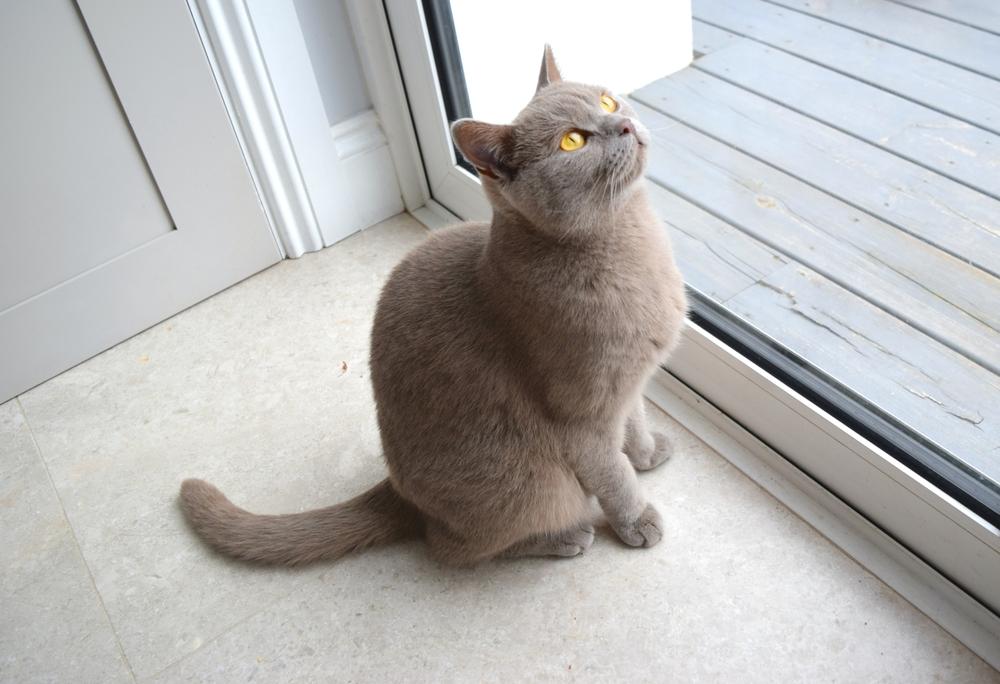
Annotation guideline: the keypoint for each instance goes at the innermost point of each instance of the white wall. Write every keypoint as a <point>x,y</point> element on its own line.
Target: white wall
<point>327,34</point>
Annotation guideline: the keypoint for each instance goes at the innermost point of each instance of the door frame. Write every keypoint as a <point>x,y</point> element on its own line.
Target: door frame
<point>238,63</point>
<point>937,553</point>
<point>318,183</point>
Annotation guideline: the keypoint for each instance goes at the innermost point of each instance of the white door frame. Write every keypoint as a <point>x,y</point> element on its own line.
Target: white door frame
<point>450,184</point>
<point>319,183</point>
<point>385,87</point>
<point>246,87</point>
<point>938,554</point>
<point>838,481</point>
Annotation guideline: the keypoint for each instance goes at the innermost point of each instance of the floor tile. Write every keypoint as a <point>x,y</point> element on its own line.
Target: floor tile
<point>53,627</point>
<point>739,590</point>
<point>263,390</point>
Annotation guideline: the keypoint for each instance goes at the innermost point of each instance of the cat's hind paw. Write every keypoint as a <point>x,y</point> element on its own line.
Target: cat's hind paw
<point>660,450</point>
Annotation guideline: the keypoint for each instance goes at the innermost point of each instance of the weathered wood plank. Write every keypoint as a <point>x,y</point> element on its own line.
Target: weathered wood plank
<point>942,395</point>
<point>708,39</point>
<point>970,48</point>
<point>983,14</point>
<point>717,259</point>
<point>923,79</point>
<point>949,300</point>
<point>942,143</point>
<point>940,211</point>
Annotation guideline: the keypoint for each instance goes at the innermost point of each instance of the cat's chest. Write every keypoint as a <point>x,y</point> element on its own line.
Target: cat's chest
<point>600,346</point>
<point>631,290</point>
<point>617,317</point>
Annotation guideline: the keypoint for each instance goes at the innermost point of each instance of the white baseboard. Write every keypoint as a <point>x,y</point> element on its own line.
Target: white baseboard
<point>435,216</point>
<point>367,164</point>
<point>359,134</point>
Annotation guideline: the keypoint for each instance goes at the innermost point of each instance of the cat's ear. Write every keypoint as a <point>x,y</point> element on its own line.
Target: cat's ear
<point>486,146</point>
<point>550,72</point>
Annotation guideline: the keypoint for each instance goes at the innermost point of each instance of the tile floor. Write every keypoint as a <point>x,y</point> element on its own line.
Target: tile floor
<point>263,390</point>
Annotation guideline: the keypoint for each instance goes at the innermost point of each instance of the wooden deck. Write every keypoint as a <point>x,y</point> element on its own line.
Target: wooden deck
<point>831,172</point>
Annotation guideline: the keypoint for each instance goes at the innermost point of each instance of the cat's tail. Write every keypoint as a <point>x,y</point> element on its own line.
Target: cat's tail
<point>378,516</point>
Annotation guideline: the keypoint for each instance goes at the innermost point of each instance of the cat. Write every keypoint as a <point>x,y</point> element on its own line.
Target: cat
<point>508,358</point>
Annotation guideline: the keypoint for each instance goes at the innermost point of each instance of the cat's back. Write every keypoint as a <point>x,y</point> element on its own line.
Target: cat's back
<point>440,370</point>
<point>434,281</point>
<point>446,252</point>
<point>431,333</point>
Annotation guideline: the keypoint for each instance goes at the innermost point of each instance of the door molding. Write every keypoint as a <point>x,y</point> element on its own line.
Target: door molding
<point>238,62</point>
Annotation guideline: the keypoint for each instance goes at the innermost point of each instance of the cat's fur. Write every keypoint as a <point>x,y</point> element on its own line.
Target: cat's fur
<point>508,359</point>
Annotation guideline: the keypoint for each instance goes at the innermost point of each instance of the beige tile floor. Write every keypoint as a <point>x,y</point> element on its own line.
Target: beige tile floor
<point>263,389</point>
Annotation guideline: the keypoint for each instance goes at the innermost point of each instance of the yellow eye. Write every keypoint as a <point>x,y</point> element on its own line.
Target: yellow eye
<point>608,103</point>
<point>573,140</point>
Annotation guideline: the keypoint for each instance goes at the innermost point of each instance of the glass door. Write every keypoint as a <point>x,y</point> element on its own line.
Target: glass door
<point>829,195</point>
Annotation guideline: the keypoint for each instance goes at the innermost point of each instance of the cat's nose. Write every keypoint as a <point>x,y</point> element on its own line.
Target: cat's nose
<point>626,127</point>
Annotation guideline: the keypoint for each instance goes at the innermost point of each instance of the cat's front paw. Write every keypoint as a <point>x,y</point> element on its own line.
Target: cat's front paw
<point>646,530</point>
<point>658,450</point>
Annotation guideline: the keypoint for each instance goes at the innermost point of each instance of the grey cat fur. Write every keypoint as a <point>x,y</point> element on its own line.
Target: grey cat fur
<point>508,359</point>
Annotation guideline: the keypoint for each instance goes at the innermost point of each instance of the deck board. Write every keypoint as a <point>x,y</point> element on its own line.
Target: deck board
<point>945,87</point>
<point>936,141</point>
<point>946,298</point>
<point>936,209</point>
<point>720,260</point>
<point>945,40</point>
<point>983,14</point>
<point>942,395</point>
<point>708,39</point>
<point>840,193</point>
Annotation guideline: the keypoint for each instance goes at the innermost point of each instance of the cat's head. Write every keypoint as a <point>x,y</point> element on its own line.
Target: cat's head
<point>573,152</point>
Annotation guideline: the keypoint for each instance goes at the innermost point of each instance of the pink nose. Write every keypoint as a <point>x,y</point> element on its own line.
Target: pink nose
<point>625,127</point>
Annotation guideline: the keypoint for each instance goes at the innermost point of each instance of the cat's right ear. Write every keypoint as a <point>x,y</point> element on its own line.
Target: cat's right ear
<point>486,146</point>
<point>549,72</point>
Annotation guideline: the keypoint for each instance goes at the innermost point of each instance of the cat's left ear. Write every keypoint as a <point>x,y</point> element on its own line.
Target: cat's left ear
<point>550,72</point>
<point>486,146</point>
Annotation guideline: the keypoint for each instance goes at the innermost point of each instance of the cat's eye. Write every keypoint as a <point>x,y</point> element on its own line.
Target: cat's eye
<point>573,140</point>
<point>608,103</point>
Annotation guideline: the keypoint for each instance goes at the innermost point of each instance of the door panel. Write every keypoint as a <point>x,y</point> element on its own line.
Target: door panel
<point>73,174</point>
<point>163,215</point>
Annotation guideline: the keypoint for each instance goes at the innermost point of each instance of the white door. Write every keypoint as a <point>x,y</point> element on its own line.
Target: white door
<point>123,190</point>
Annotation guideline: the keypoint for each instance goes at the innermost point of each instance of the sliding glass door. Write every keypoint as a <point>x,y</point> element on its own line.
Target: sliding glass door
<point>831,194</point>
